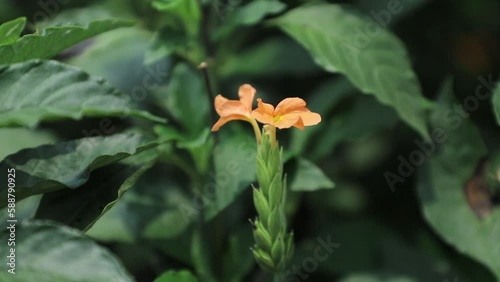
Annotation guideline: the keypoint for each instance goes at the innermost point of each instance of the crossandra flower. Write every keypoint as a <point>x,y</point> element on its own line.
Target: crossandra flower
<point>229,110</point>
<point>289,112</point>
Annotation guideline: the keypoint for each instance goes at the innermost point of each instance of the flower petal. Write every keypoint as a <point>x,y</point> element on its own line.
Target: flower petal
<point>299,120</point>
<point>233,107</point>
<point>219,101</point>
<point>290,105</point>
<point>310,118</point>
<point>224,120</point>
<point>247,94</point>
<point>264,112</point>
<point>287,121</point>
<point>300,123</point>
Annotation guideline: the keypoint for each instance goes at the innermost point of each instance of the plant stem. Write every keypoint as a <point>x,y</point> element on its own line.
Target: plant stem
<point>256,130</point>
<point>208,84</point>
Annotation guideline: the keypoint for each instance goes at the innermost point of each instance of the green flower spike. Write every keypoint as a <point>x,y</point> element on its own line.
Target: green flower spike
<point>273,244</point>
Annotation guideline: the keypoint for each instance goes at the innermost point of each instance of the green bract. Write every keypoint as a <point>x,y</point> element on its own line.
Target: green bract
<point>273,244</point>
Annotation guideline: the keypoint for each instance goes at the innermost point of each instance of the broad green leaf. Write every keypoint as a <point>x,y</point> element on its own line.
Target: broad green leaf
<point>15,139</point>
<point>117,57</point>
<point>177,276</point>
<point>67,164</point>
<point>442,184</point>
<point>110,227</point>
<point>377,278</point>
<point>309,177</point>
<point>158,215</point>
<point>364,117</point>
<point>199,147</point>
<point>48,252</point>
<point>81,207</point>
<point>247,15</point>
<point>186,12</point>
<point>235,168</point>
<point>25,210</point>
<point>185,95</point>
<point>80,16</point>
<point>52,40</point>
<point>165,42</point>
<point>39,91</point>
<point>377,63</point>
<point>255,11</point>
<point>186,99</point>
<point>155,208</point>
<point>10,31</point>
<point>180,31</point>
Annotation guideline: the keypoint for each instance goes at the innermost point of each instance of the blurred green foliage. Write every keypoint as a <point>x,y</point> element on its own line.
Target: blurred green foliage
<point>106,118</point>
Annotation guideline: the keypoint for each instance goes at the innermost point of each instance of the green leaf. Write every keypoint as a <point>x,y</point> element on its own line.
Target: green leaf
<point>39,91</point>
<point>81,207</point>
<point>68,164</point>
<point>443,183</point>
<point>177,276</point>
<point>155,208</point>
<point>309,177</point>
<point>184,96</point>
<point>255,11</point>
<point>15,139</point>
<point>48,252</point>
<point>10,31</point>
<point>165,42</point>
<point>200,147</point>
<point>186,12</point>
<point>247,15</point>
<point>162,215</point>
<point>52,40</point>
<point>378,64</point>
<point>81,16</point>
<point>114,54</point>
<point>25,210</point>
<point>235,167</point>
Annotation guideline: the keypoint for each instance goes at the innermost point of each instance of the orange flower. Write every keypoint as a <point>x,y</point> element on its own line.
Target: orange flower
<point>229,110</point>
<point>289,112</point>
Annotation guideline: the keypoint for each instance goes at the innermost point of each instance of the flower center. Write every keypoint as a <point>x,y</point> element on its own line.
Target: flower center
<point>278,118</point>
